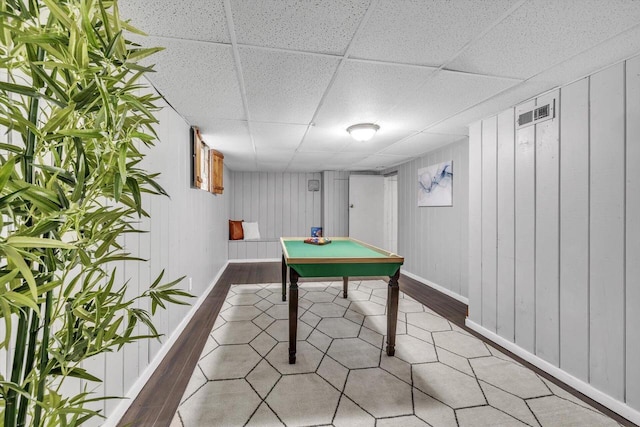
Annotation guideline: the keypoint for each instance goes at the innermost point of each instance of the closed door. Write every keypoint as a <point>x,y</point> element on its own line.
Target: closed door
<point>366,209</point>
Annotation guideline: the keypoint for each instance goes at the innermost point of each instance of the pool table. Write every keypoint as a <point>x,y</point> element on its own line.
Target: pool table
<point>343,257</point>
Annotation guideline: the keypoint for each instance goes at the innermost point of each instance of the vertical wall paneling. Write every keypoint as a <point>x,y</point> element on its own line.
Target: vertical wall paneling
<point>489,222</point>
<point>547,174</point>
<point>461,197</point>
<point>281,205</point>
<point>607,231</point>
<point>571,189</point>
<point>434,240</point>
<point>296,204</point>
<point>172,224</point>
<point>270,194</point>
<point>632,294</point>
<point>475,222</point>
<point>506,226</point>
<point>263,217</point>
<point>525,209</point>
<point>286,205</point>
<point>574,224</point>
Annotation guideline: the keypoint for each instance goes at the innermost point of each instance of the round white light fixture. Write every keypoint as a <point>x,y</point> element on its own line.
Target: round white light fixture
<point>363,131</point>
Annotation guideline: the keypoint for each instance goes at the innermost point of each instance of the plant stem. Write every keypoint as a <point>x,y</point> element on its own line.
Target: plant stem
<point>16,370</point>
<point>44,358</point>
<point>28,368</point>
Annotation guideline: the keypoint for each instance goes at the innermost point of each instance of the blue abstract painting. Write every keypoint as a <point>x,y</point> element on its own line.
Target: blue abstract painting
<point>435,185</point>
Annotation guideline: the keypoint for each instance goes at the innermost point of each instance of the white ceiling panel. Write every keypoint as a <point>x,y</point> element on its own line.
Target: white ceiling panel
<point>277,136</point>
<point>490,107</point>
<point>325,139</point>
<point>167,18</point>
<point>421,32</point>
<point>421,143</point>
<point>613,50</point>
<point>364,91</point>
<point>231,138</point>
<point>389,133</point>
<point>310,162</point>
<point>379,162</point>
<point>274,155</point>
<point>311,26</point>
<point>543,33</point>
<point>210,87</point>
<point>271,166</point>
<point>283,86</point>
<point>291,69</point>
<point>445,95</point>
<point>273,160</point>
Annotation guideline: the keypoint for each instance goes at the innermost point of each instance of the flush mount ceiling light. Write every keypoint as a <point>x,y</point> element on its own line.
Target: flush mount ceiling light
<point>363,131</point>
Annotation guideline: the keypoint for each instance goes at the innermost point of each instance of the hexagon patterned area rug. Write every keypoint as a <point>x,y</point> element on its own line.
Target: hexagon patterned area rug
<point>440,375</point>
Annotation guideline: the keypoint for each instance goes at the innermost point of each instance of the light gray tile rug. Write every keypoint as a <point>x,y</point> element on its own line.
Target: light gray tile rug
<point>439,376</point>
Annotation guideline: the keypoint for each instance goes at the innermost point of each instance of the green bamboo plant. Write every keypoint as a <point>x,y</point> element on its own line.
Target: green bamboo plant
<point>74,119</point>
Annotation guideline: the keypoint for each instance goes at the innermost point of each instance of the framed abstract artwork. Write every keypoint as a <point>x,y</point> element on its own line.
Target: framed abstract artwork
<point>435,185</point>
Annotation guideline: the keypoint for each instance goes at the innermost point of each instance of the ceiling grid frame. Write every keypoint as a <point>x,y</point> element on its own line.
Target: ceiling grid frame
<point>238,63</point>
<point>341,64</point>
<point>224,97</point>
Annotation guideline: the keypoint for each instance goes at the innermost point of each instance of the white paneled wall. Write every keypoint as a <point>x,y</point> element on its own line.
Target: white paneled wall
<point>632,215</point>
<point>188,237</point>
<point>567,207</point>
<point>280,203</point>
<point>434,240</point>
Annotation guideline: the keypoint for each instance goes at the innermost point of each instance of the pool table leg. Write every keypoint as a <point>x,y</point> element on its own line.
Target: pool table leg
<point>392,312</point>
<point>345,286</point>
<point>284,279</point>
<point>293,314</point>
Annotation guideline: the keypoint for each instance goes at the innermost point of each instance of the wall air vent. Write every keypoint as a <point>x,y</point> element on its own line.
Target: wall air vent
<point>541,113</point>
<point>537,115</point>
<point>525,118</point>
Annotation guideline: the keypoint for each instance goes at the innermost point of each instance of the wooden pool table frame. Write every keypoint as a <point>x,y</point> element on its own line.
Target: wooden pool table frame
<point>291,262</point>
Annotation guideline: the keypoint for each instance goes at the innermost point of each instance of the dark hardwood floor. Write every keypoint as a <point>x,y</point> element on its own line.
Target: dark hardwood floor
<point>157,402</point>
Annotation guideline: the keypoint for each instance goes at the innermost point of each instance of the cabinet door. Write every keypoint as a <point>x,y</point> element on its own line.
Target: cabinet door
<point>216,164</point>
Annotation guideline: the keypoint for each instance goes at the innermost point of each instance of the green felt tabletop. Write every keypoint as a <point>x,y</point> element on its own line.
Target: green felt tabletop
<point>341,257</point>
<point>335,249</point>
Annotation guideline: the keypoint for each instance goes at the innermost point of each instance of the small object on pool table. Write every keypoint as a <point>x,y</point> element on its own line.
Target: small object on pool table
<point>317,240</point>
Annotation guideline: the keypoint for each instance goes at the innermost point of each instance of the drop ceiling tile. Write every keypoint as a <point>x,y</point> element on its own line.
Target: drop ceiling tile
<point>310,162</point>
<point>284,87</point>
<point>379,162</point>
<point>510,97</point>
<point>543,33</point>
<point>613,50</point>
<point>274,155</point>
<point>421,143</point>
<point>419,32</point>
<point>444,95</point>
<point>189,19</point>
<point>326,26</point>
<point>277,136</point>
<point>346,159</point>
<point>271,166</point>
<point>231,138</point>
<point>364,91</point>
<point>325,139</point>
<point>313,157</point>
<point>388,134</point>
<point>207,86</point>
